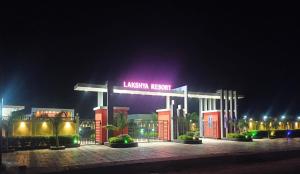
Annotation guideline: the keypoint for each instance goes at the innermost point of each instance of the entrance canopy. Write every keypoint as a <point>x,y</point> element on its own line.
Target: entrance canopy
<point>123,90</point>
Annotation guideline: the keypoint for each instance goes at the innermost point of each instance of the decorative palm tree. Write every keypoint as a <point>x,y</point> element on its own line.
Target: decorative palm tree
<point>56,121</point>
<point>120,122</point>
<point>242,124</point>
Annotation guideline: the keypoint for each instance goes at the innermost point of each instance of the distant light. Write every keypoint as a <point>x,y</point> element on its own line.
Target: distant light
<point>289,133</point>
<point>251,119</point>
<point>272,133</point>
<point>298,118</point>
<point>245,117</point>
<point>142,131</point>
<point>265,118</point>
<point>282,117</point>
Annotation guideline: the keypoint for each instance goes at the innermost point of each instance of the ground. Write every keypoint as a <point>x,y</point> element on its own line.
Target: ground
<point>98,156</point>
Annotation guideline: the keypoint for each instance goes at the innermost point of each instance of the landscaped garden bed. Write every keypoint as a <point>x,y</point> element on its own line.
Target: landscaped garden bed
<point>121,141</point>
<point>187,139</point>
<point>272,134</point>
<point>40,142</point>
<point>239,137</point>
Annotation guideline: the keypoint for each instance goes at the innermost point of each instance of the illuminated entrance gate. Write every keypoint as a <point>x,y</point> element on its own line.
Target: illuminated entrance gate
<point>227,109</point>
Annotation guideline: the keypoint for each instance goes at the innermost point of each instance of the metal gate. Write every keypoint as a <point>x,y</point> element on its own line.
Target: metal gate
<point>148,131</point>
<point>87,131</point>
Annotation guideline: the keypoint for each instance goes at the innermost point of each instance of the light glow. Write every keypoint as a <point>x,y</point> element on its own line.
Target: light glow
<point>68,125</point>
<point>265,118</point>
<point>22,124</point>
<point>272,133</point>
<point>44,125</point>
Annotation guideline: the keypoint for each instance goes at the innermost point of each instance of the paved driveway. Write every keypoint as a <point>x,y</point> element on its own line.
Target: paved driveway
<point>47,160</point>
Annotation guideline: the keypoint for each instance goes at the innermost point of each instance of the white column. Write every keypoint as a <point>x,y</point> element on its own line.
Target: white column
<point>214,104</point>
<point>201,117</point>
<point>222,112</point>
<point>172,118</point>
<point>231,104</point>
<point>100,99</point>
<point>226,111</point>
<point>205,104</point>
<point>167,102</point>
<point>185,101</point>
<point>235,105</point>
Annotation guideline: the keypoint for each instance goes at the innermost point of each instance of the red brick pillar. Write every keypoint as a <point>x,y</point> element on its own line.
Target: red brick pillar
<point>164,124</point>
<point>212,124</point>
<point>100,121</point>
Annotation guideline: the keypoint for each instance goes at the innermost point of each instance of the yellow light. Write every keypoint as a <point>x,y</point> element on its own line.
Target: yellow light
<point>272,133</point>
<point>68,125</point>
<point>22,124</point>
<point>280,123</point>
<point>261,122</point>
<point>44,125</point>
<point>296,125</point>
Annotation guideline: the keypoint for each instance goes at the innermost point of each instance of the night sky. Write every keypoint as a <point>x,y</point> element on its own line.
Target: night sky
<point>252,48</point>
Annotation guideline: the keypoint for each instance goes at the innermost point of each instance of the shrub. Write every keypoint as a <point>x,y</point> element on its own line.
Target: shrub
<point>239,137</point>
<point>190,133</point>
<point>235,135</point>
<point>185,137</point>
<point>121,139</point>
<point>38,142</point>
<point>258,134</point>
<point>116,140</point>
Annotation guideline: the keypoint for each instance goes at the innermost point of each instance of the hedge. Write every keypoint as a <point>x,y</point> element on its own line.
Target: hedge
<point>239,137</point>
<point>39,142</point>
<point>185,137</point>
<point>257,134</point>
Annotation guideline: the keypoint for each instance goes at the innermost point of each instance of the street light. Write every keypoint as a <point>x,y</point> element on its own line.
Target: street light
<point>298,118</point>
<point>265,118</point>
<point>282,117</point>
<point>245,117</point>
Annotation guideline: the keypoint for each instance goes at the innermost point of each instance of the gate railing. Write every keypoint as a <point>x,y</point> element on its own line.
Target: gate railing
<point>146,131</point>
